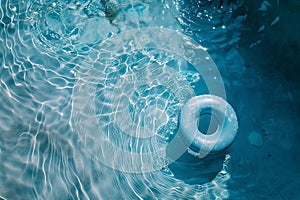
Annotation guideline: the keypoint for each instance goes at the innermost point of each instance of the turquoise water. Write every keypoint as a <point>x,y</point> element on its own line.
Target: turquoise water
<point>87,87</point>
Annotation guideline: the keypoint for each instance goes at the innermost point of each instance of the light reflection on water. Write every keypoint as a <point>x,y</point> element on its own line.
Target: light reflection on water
<point>47,45</point>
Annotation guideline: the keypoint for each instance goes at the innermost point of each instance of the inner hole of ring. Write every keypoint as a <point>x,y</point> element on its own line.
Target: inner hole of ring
<point>208,124</point>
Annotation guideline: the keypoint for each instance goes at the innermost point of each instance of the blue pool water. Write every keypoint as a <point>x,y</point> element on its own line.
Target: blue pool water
<point>91,94</point>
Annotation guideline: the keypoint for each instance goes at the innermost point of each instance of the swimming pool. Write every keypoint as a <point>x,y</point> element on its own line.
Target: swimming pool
<point>82,80</point>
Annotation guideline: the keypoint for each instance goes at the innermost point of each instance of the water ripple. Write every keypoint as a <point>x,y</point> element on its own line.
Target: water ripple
<point>51,50</point>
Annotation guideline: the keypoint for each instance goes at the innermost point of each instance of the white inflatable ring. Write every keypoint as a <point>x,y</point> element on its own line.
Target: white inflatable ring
<point>226,118</point>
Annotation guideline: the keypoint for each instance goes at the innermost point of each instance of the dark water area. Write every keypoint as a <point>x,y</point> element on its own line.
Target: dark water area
<point>273,101</point>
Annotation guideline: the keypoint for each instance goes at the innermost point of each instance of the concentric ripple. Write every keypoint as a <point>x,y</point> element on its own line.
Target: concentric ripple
<point>148,96</point>
<point>69,27</point>
<point>128,102</point>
